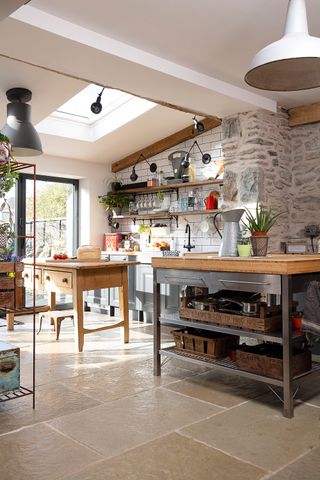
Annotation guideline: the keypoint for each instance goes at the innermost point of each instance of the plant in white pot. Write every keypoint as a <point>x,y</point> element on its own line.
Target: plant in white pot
<point>259,225</point>
<point>115,202</point>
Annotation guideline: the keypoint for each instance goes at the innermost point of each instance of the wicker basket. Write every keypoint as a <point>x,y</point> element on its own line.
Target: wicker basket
<point>208,344</point>
<point>256,324</point>
<point>266,360</point>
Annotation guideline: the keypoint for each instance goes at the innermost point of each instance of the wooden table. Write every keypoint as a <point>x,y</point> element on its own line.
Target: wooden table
<point>75,278</point>
<point>275,274</point>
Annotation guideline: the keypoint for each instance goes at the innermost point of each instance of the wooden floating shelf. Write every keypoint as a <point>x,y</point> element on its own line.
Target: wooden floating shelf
<point>168,215</point>
<point>172,186</point>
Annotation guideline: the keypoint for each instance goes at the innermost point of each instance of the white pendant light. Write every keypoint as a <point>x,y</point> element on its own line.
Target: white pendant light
<point>293,62</point>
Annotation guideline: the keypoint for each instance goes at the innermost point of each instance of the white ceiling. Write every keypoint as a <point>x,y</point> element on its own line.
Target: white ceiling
<point>190,54</point>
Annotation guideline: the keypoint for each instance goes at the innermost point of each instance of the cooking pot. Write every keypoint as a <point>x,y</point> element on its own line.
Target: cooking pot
<point>249,308</point>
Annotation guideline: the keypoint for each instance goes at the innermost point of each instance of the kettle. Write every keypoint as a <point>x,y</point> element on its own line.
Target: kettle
<point>231,231</point>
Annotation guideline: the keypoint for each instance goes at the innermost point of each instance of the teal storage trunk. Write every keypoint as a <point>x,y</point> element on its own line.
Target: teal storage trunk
<point>9,367</point>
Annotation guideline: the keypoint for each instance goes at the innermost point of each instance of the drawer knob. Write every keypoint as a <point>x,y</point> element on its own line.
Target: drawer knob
<point>65,280</point>
<point>48,278</point>
<point>36,276</point>
<point>26,275</point>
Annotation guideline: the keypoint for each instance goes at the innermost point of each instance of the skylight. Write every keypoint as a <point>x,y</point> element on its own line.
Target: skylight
<point>75,120</point>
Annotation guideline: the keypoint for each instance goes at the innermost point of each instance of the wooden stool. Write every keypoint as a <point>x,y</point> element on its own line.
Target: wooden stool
<point>56,317</point>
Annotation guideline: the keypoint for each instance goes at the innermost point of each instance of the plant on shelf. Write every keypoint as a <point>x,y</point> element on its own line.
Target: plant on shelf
<point>160,196</point>
<point>116,183</point>
<point>115,202</point>
<point>259,225</point>
<point>144,229</point>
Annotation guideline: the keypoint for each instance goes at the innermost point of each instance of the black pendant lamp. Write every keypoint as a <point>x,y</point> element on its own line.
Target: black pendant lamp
<point>23,136</point>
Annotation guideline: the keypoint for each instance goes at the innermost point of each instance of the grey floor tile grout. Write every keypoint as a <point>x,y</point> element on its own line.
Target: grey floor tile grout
<point>311,405</point>
<point>278,470</point>
<point>47,424</point>
<point>194,398</point>
<point>224,452</point>
<point>20,429</point>
<point>77,472</point>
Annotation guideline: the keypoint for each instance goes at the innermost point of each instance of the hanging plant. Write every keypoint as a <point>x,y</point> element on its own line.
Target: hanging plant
<point>5,149</point>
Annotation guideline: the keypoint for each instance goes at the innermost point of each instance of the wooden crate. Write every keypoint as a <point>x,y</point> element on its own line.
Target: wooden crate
<point>208,344</point>
<point>255,324</point>
<point>11,284</point>
<point>264,360</point>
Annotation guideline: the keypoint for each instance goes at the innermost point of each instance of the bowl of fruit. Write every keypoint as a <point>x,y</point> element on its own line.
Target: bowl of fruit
<point>60,256</point>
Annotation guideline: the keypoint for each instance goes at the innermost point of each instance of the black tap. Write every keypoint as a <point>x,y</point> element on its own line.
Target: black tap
<point>189,247</point>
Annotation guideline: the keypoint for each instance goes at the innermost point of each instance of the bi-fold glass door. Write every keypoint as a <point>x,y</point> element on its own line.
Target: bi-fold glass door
<point>56,225</point>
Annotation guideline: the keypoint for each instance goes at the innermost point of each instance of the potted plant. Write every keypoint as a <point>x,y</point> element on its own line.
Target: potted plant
<point>259,226</point>
<point>244,244</point>
<point>5,149</point>
<point>116,183</point>
<point>115,202</point>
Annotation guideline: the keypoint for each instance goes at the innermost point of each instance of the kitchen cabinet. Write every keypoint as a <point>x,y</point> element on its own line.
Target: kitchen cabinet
<point>278,274</point>
<point>170,294</point>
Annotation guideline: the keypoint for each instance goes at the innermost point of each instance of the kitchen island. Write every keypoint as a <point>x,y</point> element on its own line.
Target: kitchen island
<point>275,274</point>
<point>75,277</point>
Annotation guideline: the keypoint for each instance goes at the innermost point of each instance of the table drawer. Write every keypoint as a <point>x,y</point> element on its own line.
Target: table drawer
<point>57,278</point>
<point>27,276</point>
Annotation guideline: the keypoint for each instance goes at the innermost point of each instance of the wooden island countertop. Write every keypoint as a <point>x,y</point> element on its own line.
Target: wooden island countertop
<point>277,264</point>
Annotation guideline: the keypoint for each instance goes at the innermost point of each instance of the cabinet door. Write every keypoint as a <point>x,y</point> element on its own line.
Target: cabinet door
<point>170,294</point>
<point>170,298</point>
<point>144,287</point>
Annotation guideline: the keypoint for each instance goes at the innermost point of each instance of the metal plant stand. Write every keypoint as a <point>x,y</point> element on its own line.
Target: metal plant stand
<point>19,310</point>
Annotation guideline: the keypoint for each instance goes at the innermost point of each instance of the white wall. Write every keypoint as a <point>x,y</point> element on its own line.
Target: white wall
<point>93,179</point>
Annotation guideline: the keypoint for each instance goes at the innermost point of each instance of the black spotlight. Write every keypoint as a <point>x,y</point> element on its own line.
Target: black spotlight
<point>198,125</point>
<point>133,176</point>
<point>96,106</point>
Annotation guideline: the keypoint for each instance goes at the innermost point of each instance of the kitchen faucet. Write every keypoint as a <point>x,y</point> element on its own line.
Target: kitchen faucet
<point>188,246</point>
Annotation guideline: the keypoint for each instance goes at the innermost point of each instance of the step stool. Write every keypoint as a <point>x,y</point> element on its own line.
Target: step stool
<point>56,316</point>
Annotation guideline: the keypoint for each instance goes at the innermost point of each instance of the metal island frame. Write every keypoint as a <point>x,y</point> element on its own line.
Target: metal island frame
<point>283,275</point>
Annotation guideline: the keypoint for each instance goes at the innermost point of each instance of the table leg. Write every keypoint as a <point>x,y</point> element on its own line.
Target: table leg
<point>286,288</point>
<point>123,304</point>
<point>10,320</point>
<point>52,300</point>
<point>156,325</point>
<point>78,317</point>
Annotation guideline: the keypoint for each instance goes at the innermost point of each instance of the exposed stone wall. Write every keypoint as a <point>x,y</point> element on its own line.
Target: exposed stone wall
<point>305,206</point>
<point>256,147</point>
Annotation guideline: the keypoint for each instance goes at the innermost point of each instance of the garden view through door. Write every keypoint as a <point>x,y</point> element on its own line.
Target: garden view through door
<point>55,217</point>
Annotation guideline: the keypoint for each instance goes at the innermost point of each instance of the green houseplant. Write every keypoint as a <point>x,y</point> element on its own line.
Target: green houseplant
<point>115,202</point>
<point>244,244</point>
<point>259,225</point>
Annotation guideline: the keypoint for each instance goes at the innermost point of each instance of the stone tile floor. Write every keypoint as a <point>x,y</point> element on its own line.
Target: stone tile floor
<point>101,414</point>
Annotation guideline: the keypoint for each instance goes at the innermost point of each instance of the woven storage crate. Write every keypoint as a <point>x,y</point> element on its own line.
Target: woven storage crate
<point>255,324</point>
<point>209,344</point>
<point>266,360</point>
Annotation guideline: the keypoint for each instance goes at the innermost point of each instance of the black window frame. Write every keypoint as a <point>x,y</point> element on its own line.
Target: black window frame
<point>20,216</point>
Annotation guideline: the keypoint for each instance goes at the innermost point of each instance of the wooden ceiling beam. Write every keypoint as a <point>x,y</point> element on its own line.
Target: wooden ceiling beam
<point>304,114</point>
<point>164,144</point>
